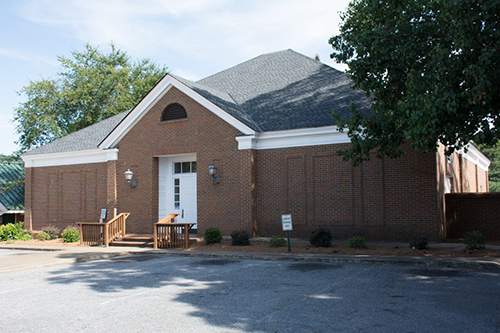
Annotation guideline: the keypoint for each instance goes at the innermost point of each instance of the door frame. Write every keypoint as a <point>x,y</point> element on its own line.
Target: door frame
<point>165,182</point>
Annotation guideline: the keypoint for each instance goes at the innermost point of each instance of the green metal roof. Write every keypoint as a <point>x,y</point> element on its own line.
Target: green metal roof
<point>12,184</point>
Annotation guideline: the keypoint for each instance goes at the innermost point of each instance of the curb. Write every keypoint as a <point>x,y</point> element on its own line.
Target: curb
<point>465,263</point>
<point>30,248</point>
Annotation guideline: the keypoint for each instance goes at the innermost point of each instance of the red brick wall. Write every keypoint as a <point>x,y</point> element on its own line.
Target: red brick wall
<point>482,180</point>
<point>227,205</point>
<point>469,176</point>
<point>63,195</point>
<point>473,211</point>
<point>466,177</point>
<point>380,200</point>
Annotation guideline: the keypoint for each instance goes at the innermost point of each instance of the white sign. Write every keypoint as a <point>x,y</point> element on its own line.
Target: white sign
<point>286,220</point>
<point>103,213</point>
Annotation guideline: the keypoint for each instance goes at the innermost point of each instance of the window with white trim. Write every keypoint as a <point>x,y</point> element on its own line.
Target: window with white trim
<point>184,167</point>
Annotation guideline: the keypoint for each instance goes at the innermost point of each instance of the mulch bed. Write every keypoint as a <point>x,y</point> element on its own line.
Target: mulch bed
<point>336,249</point>
<point>306,248</point>
<point>52,242</point>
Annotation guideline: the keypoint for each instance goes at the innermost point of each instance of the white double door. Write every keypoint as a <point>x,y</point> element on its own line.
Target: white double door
<point>177,187</point>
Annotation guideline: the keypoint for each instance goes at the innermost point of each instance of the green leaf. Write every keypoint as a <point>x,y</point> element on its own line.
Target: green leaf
<point>92,86</point>
<point>432,69</point>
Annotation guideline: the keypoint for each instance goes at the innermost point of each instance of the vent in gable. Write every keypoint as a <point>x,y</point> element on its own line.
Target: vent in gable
<point>173,111</point>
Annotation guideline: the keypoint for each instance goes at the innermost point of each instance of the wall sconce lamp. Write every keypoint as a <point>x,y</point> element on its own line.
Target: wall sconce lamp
<point>212,170</point>
<point>128,176</point>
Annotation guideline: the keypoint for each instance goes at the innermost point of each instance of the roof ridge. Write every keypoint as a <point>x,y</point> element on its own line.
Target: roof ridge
<point>243,110</point>
<point>202,86</point>
<point>244,62</point>
<point>316,61</point>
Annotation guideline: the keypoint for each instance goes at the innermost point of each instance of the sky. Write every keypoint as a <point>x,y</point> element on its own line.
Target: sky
<point>193,38</point>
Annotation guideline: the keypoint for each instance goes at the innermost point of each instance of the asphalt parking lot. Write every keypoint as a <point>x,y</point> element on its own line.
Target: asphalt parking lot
<point>173,294</point>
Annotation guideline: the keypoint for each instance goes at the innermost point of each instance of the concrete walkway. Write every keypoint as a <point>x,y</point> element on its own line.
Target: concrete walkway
<point>40,256</point>
<point>33,256</point>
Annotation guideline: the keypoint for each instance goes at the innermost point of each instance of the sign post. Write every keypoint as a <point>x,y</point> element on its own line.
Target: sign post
<point>286,220</point>
<point>103,215</point>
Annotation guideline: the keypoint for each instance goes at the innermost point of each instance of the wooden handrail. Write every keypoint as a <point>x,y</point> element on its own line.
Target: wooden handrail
<point>96,233</point>
<point>168,219</point>
<point>171,234</point>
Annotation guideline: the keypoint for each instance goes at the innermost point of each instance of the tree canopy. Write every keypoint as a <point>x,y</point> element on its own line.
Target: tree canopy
<point>92,86</point>
<point>431,68</point>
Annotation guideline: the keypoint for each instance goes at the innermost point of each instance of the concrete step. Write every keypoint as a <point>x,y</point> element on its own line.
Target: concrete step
<point>137,238</point>
<point>132,243</point>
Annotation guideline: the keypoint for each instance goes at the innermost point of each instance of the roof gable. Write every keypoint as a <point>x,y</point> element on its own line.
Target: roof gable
<point>226,109</point>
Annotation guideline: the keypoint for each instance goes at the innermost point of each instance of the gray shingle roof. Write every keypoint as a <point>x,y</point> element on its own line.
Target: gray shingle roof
<point>275,91</point>
<point>88,138</point>
<point>222,100</point>
<point>287,90</point>
<point>12,171</point>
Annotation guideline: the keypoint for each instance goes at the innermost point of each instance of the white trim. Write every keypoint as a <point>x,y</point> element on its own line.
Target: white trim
<point>150,100</point>
<point>186,155</point>
<point>166,175</point>
<point>70,158</point>
<point>11,212</point>
<point>475,156</point>
<point>303,137</point>
<point>4,210</point>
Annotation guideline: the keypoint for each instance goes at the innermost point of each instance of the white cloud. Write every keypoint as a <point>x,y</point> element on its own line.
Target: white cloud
<point>215,32</point>
<point>9,135</point>
<point>186,74</point>
<point>19,55</point>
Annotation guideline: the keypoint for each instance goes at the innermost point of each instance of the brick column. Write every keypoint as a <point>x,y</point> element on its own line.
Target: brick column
<point>27,199</point>
<point>253,180</point>
<point>111,196</point>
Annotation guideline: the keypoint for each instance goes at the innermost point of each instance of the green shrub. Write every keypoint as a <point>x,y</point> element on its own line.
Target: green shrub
<point>212,235</point>
<point>277,241</point>
<point>240,238</point>
<point>419,243</point>
<point>53,231</point>
<point>356,243</point>
<point>10,232</point>
<point>25,235</point>
<point>475,240</point>
<point>321,238</point>
<point>43,236</point>
<point>70,235</point>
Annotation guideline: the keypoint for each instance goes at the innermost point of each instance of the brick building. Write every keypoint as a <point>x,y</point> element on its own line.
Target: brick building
<point>266,127</point>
